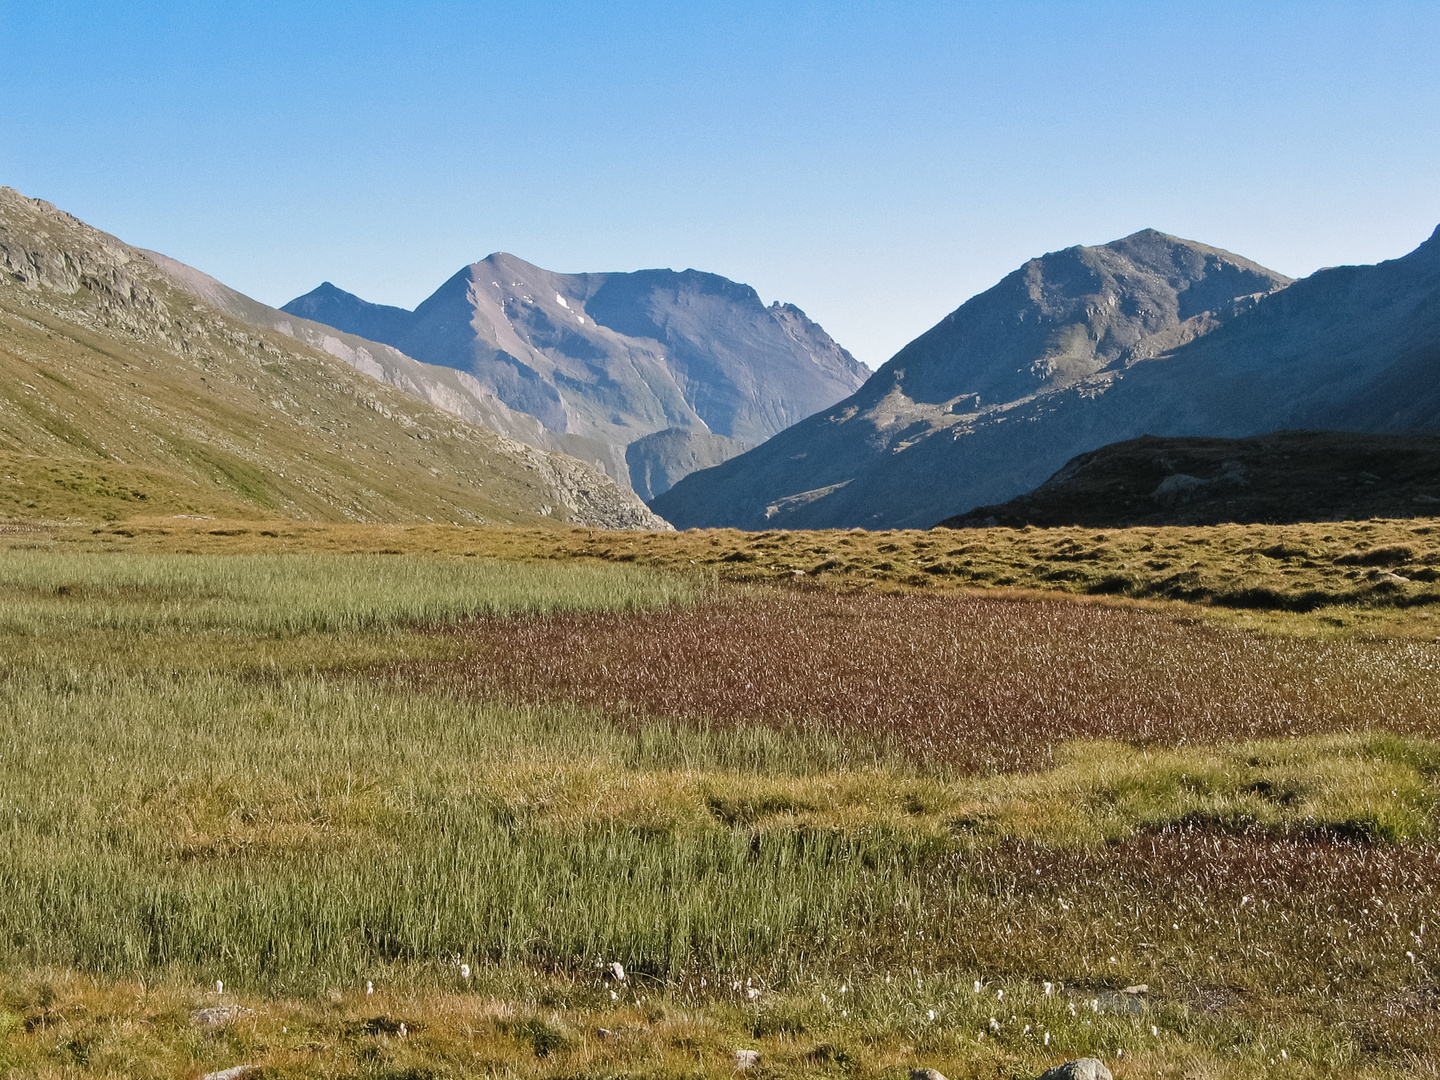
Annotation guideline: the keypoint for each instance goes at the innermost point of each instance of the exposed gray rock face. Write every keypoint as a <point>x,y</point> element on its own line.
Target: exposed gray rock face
<point>453,391</point>
<point>571,477</point>
<point>336,307</point>
<point>604,360</point>
<point>993,399</point>
<point>1081,1069</point>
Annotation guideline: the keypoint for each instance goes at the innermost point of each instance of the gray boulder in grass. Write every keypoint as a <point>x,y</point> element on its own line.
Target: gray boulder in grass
<point>1080,1069</point>
<point>926,1074</point>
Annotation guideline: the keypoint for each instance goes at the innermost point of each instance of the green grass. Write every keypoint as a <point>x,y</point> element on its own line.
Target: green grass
<point>41,592</point>
<point>234,768</point>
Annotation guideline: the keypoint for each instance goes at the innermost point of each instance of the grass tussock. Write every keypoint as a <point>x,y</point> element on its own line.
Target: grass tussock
<point>304,593</point>
<point>523,1023</point>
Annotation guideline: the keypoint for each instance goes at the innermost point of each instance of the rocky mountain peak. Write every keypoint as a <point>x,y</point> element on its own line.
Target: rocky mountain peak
<point>1073,316</point>
<point>605,361</point>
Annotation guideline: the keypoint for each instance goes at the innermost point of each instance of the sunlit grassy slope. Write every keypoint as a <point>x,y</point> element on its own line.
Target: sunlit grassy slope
<point>258,769</point>
<point>120,395</point>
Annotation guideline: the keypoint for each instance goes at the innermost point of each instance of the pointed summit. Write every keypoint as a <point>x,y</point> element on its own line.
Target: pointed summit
<point>336,307</point>
<point>1070,321</point>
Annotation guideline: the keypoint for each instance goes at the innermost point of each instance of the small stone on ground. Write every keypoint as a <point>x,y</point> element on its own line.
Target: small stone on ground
<point>1081,1069</point>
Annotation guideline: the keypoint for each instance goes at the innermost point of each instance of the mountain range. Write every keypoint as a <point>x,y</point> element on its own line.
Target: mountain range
<point>131,382</point>
<point>1150,334</point>
<point>650,374</point>
<point>133,385</point>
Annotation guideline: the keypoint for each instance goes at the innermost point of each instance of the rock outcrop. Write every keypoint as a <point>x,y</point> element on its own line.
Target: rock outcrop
<point>1080,1069</point>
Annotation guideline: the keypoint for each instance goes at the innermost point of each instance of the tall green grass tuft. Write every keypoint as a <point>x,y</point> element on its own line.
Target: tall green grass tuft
<point>295,594</point>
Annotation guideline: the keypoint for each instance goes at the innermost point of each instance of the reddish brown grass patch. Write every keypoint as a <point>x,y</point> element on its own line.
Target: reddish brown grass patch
<point>978,682</point>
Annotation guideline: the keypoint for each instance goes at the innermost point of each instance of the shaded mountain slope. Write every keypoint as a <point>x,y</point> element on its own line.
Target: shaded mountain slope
<point>1351,348</point>
<point>122,394</point>
<point>960,415</point>
<point>609,359</point>
<point>1281,478</point>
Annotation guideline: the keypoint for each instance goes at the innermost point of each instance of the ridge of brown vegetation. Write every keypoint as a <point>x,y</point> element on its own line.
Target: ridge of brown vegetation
<point>981,682</point>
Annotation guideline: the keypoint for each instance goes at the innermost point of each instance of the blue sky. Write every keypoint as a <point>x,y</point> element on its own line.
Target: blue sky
<point>875,163</point>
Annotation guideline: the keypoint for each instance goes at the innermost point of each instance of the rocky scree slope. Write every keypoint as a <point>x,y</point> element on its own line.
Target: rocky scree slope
<point>691,366</point>
<point>122,394</point>
<point>1286,477</point>
<point>961,415</point>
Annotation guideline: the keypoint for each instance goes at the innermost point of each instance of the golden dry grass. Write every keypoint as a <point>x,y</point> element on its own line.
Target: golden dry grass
<point>1345,578</point>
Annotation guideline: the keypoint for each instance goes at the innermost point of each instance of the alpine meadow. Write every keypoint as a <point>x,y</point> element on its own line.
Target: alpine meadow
<point>464,617</point>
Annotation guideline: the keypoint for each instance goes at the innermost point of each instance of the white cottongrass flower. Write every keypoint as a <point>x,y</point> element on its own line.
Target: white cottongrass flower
<point>930,1014</point>
<point>465,971</point>
<point>219,987</point>
<point>369,987</point>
